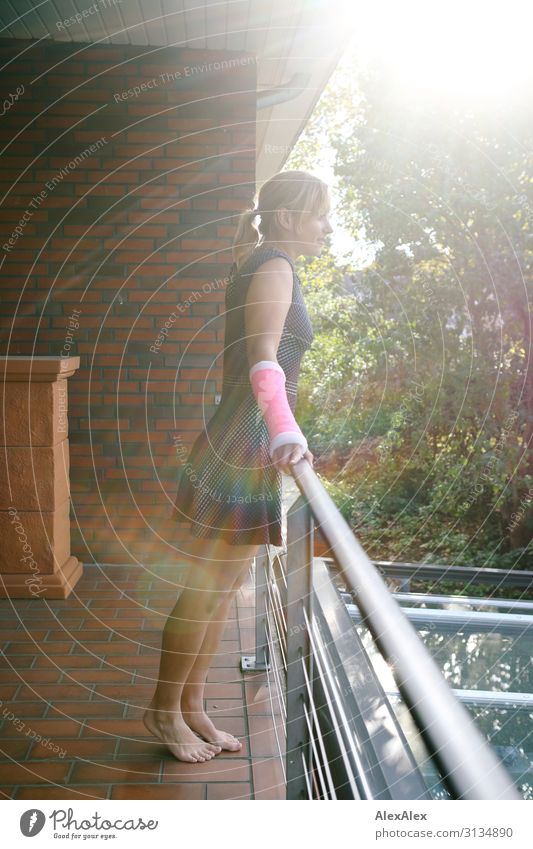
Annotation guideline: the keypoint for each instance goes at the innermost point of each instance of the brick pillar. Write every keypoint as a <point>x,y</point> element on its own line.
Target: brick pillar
<point>35,559</point>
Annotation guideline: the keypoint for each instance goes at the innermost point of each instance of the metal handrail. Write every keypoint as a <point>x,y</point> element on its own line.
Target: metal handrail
<point>469,767</point>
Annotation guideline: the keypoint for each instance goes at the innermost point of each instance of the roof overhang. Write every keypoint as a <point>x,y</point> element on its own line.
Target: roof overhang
<point>297,45</point>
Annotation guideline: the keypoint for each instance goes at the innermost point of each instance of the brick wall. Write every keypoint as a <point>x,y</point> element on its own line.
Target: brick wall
<point>125,204</point>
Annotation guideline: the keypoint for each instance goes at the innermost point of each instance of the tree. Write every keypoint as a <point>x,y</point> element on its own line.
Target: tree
<point>425,352</point>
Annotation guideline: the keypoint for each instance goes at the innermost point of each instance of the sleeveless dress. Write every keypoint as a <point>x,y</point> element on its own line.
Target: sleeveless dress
<point>228,487</point>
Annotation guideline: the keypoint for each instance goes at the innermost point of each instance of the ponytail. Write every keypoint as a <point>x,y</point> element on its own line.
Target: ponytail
<point>297,191</point>
<point>246,237</point>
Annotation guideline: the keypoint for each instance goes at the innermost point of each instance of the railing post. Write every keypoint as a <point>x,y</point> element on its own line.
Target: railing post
<point>259,660</point>
<point>300,527</point>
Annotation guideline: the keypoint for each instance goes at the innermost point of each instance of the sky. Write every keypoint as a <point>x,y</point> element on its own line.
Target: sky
<point>459,53</point>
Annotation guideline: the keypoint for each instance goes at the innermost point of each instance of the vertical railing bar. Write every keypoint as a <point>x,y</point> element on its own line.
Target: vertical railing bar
<point>315,752</point>
<point>274,723</point>
<point>259,660</point>
<point>307,782</point>
<point>261,653</point>
<point>276,674</point>
<point>469,766</point>
<point>299,594</point>
<point>320,739</point>
<point>334,699</point>
<point>279,632</point>
<point>276,594</point>
<point>276,605</point>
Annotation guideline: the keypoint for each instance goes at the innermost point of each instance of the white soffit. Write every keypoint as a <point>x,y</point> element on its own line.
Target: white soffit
<point>297,44</point>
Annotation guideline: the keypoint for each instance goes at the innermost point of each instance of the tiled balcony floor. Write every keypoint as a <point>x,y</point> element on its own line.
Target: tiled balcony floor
<point>79,673</point>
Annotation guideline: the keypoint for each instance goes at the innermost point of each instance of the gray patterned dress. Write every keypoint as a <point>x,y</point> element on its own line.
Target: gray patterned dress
<point>228,487</point>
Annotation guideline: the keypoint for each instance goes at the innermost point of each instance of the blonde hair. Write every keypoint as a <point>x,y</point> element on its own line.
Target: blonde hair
<point>297,191</point>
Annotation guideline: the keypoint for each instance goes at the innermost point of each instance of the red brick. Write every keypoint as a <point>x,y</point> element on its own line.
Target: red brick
<point>125,238</point>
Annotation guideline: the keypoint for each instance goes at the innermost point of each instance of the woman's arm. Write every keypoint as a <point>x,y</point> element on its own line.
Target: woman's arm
<point>267,304</point>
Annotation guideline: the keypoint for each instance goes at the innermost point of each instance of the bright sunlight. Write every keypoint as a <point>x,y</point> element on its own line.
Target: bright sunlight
<point>457,48</point>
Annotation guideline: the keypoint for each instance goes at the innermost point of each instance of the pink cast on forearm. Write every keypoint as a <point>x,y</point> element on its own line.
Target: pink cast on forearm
<point>268,384</point>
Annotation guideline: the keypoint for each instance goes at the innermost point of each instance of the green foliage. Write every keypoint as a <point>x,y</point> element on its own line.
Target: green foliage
<point>417,393</point>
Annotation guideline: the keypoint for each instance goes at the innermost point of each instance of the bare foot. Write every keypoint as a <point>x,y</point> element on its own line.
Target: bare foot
<point>171,729</point>
<point>199,721</point>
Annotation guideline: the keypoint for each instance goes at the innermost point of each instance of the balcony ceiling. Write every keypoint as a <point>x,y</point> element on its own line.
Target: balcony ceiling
<point>297,43</point>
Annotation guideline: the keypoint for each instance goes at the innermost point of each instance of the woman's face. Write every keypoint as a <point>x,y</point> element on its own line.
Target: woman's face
<point>312,232</point>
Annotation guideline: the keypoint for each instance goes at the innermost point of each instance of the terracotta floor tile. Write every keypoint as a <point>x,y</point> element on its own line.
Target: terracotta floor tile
<point>135,612</point>
<point>248,640</point>
<point>45,727</point>
<point>262,738</point>
<point>16,749</point>
<point>46,649</point>
<point>125,662</point>
<point>143,649</point>
<point>227,659</point>
<point>78,636</point>
<point>237,790</point>
<point>258,700</point>
<point>220,708</point>
<point>268,779</point>
<point>217,769</point>
<point>88,708</point>
<point>113,603</point>
<point>109,593</point>
<point>223,690</point>
<point>29,710</point>
<point>50,691</point>
<point>234,724</point>
<point>106,643</point>
<point>67,664</point>
<point>32,676</point>
<point>137,707</point>
<point>7,792</point>
<point>247,619</point>
<point>22,661</point>
<point>34,772</point>
<point>31,635</point>
<point>115,727</point>
<point>97,791</point>
<point>189,790</point>
<point>103,648</point>
<point>96,676</point>
<point>110,623</point>
<point>118,772</point>
<point>79,748</point>
<point>225,673</point>
<point>151,747</point>
<point>137,694</point>
<point>145,677</point>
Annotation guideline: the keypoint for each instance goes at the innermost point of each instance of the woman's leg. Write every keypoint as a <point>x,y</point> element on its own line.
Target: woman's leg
<point>192,698</point>
<point>215,567</point>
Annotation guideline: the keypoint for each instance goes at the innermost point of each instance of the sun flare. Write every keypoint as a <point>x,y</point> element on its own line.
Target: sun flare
<point>461,49</point>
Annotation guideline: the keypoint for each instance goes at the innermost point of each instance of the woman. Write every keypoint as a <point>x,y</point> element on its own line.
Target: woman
<point>230,488</point>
